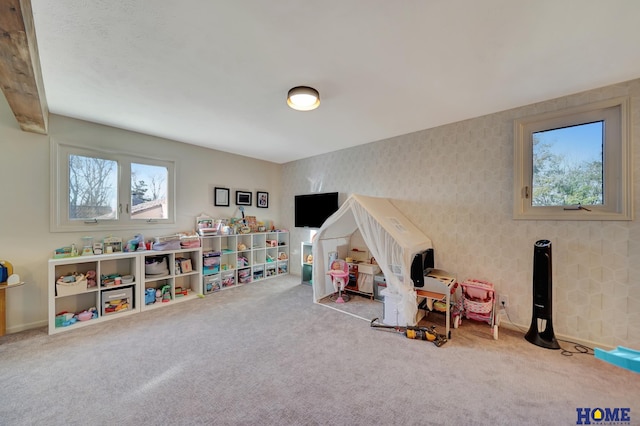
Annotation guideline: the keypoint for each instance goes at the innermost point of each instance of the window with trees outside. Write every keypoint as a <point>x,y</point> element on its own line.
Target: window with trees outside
<point>106,190</point>
<point>574,164</point>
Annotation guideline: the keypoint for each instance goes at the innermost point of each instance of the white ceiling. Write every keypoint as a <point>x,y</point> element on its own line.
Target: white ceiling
<point>215,73</point>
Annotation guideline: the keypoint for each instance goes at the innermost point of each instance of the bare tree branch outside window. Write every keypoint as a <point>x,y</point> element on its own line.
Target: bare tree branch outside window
<point>92,183</point>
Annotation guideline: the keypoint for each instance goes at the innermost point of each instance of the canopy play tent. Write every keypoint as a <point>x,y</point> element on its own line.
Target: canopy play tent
<point>390,237</point>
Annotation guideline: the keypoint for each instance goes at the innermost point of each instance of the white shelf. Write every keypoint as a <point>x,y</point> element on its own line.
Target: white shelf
<point>120,264</point>
<point>256,252</point>
<point>191,280</point>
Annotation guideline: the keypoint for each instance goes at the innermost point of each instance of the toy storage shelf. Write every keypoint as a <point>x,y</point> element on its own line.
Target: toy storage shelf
<point>180,281</point>
<point>74,299</point>
<point>232,260</point>
<point>78,298</point>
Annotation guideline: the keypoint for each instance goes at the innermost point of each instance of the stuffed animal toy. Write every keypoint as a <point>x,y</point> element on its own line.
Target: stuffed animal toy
<point>91,279</point>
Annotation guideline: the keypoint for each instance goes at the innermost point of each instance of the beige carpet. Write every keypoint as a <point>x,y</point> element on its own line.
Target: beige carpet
<point>363,307</point>
<point>265,354</point>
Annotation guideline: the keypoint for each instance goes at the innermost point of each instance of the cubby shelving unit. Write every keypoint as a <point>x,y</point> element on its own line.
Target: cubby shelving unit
<point>182,282</point>
<point>231,260</point>
<point>182,286</point>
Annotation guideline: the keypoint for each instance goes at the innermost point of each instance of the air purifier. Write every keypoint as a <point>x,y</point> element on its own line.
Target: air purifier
<point>542,297</point>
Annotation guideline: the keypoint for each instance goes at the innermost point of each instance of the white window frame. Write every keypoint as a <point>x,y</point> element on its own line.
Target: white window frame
<point>59,190</point>
<point>617,162</point>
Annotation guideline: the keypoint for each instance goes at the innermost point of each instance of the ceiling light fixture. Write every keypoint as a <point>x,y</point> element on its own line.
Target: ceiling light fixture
<point>303,98</point>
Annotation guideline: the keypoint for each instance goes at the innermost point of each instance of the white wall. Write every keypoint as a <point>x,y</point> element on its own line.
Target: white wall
<point>25,239</point>
<point>455,183</point>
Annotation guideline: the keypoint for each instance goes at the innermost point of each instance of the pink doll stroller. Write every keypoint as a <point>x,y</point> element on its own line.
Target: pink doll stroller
<point>339,273</point>
<point>478,302</point>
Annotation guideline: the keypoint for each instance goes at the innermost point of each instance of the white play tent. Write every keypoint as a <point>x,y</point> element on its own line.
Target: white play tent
<point>390,237</point>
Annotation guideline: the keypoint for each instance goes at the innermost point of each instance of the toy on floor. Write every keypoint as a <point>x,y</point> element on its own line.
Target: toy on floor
<point>620,356</point>
<point>478,302</point>
<point>415,332</point>
<point>339,273</point>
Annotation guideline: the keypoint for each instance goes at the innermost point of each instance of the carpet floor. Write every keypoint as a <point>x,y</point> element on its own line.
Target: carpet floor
<point>265,354</point>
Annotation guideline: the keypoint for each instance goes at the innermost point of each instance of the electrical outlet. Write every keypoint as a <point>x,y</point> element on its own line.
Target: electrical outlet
<point>504,301</point>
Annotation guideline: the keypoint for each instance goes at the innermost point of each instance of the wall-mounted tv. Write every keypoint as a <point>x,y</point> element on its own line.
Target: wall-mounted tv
<point>311,210</point>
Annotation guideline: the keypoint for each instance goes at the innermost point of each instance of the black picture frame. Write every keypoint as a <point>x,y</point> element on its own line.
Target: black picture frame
<point>243,198</point>
<point>262,199</point>
<point>221,197</point>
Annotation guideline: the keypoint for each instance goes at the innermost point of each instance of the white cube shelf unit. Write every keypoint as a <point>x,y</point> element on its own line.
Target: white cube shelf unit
<point>182,281</point>
<point>230,260</point>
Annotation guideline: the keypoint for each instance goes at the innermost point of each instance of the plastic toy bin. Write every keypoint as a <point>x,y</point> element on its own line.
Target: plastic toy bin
<point>391,314</point>
<point>212,284</point>
<point>117,300</point>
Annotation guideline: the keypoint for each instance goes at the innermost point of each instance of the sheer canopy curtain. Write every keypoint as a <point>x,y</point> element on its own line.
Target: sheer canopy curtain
<point>390,237</point>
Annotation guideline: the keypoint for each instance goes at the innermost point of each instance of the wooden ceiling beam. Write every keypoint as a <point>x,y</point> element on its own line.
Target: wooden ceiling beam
<point>20,74</point>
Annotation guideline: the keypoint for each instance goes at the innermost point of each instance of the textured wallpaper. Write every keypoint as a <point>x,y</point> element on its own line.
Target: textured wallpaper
<point>455,182</point>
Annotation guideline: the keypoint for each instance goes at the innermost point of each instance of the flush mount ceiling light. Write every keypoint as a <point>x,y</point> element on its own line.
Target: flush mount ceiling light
<point>303,98</point>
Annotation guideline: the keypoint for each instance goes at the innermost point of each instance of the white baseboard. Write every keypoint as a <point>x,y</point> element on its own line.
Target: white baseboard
<point>28,326</point>
<point>505,323</point>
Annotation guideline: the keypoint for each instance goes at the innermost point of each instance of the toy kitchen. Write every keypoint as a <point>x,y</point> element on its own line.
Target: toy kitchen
<point>362,271</point>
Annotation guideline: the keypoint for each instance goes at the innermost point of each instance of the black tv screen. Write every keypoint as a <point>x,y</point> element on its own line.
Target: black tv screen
<point>311,210</point>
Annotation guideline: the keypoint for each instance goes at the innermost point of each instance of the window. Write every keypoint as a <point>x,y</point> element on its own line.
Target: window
<point>574,164</point>
<point>94,189</point>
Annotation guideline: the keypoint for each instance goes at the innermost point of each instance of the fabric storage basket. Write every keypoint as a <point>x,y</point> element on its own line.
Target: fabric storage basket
<point>64,288</point>
<point>478,307</point>
<point>116,301</point>
<point>156,265</point>
<point>478,290</point>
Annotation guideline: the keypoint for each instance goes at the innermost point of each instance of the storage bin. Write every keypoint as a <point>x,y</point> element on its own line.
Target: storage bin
<point>271,270</point>
<point>228,279</point>
<point>211,263</point>
<point>156,265</point>
<point>116,301</point>
<point>212,284</point>
<point>244,276</point>
<point>391,315</point>
<point>258,273</point>
<point>68,289</point>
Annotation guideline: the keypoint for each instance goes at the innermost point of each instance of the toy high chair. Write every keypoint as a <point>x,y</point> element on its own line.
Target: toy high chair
<point>339,273</point>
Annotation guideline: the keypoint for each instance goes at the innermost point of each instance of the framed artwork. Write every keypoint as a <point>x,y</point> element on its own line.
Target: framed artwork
<point>262,199</point>
<point>221,197</point>
<point>243,198</point>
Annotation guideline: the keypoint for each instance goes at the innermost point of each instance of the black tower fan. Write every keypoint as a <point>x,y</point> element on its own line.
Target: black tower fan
<point>542,297</point>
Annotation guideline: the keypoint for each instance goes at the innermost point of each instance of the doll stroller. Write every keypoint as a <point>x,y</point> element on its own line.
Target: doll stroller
<point>478,302</point>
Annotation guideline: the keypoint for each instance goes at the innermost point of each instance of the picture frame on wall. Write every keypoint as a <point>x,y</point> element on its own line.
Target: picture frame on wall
<point>262,199</point>
<point>243,198</point>
<point>221,197</point>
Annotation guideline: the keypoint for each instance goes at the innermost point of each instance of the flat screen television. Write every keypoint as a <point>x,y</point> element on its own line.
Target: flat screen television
<point>311,210</point>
